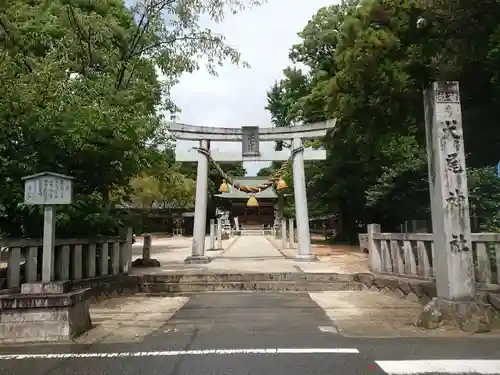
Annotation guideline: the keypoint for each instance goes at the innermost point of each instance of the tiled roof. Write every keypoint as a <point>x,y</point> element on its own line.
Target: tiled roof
<point>269,193</point>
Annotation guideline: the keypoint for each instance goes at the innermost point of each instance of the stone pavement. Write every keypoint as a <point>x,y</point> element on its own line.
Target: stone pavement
<point>375,314</point>
<point>129,319</point>
<point>356,313</point>
<point>332,258</point>
<point>245,254</point>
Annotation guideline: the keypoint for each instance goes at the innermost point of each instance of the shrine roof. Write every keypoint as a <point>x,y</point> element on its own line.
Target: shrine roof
<point>269,193</point>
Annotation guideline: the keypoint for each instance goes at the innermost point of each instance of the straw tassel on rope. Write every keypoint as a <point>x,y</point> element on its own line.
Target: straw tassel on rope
<point>277,179</point>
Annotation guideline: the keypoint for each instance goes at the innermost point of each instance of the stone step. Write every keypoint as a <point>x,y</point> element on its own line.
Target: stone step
<point>272,286</point>
<point>252,232</point>
<point>247,277</point>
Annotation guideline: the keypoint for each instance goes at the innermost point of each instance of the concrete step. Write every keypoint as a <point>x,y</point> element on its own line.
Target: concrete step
<point>272,286</point>
<point>247,277</point>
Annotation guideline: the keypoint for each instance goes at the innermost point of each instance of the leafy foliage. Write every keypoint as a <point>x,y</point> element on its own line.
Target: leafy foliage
<point>366,64</point>
<point>484,197</point>
<point>81,95</point>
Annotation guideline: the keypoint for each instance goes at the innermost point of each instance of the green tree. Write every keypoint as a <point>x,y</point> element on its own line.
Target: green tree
<point>266,171</point>
<point>367,62</point>
<point>81,95</point>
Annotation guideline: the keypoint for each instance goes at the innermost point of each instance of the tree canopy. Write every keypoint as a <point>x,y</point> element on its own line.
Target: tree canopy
<point>365,65</point>
<point>82,95</point>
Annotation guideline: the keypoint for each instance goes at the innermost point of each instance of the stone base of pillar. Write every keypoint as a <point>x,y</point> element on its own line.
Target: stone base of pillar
<point>197,259</point>
<point>43,312</point>
<point>469,316</point>
<point>306,258</point>
<point>215,249</point>
<point>146,263</point>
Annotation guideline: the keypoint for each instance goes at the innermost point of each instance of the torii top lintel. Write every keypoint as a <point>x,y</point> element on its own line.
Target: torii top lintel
<point>195,133</point>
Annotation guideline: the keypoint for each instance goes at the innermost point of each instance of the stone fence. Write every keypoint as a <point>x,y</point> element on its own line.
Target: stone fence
<point>412,254</point>
<point>74,259</point>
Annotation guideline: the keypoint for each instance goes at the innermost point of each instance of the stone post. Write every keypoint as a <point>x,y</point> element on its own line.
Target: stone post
<point>374,254</point>
<point>299,189</point>
<point>281,210</point>
<point>212,234</point>
<point>91,260</point>
<point>455,302</point>
<point>448,192</point>
<point>291,233</point>
<point>219,233</point>
<point>146,247</point>
<point>283,234</point>
<point>77,262</point>
<point>146,260</point>
<point>103,259</point>
<point>126,252</point>
<point>63,262</point>
<point>200,211</point>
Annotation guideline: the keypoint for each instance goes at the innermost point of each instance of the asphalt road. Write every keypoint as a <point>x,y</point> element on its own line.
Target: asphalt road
<point>254,333</point>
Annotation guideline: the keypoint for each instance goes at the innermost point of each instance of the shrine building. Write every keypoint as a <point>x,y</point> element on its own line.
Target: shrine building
<point>251,209</point>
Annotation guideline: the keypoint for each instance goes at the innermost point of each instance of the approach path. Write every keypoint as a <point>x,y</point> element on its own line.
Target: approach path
<point>251,253</point>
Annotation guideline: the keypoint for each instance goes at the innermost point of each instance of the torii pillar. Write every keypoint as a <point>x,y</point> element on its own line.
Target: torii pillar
<point>300,195</point>
<point>200,209</point>
<point>250,136</point>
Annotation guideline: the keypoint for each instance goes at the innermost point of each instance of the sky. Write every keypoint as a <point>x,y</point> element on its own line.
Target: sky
<point>237,96</point>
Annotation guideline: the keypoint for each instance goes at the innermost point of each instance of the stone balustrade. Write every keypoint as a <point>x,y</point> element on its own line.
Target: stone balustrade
<point>74,259</point>
<point>412,254</point>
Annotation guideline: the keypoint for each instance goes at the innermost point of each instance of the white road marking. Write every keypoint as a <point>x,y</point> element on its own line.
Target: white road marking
<point>329,329</point>
<point>182,352</point>
<point>441,366</point>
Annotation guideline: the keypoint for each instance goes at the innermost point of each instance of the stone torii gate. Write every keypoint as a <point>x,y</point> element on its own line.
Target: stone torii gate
<point>250,136</point>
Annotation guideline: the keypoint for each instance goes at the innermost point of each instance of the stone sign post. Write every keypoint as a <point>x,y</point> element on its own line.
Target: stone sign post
<point>48,189</point>
<point>45,310</point>
<point>455,281</point>
<point>448,193</point>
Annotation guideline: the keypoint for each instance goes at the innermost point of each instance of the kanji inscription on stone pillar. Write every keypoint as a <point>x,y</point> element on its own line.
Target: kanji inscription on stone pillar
<point>448,190</point>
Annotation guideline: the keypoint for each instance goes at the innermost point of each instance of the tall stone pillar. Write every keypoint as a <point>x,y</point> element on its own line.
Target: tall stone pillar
<point>448,193</point>
<point>455,303</point>
<point>299,189</point>
<point>200,211</point>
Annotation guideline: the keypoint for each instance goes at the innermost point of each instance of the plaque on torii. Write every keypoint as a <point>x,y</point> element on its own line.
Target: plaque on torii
<point>250,141</point>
